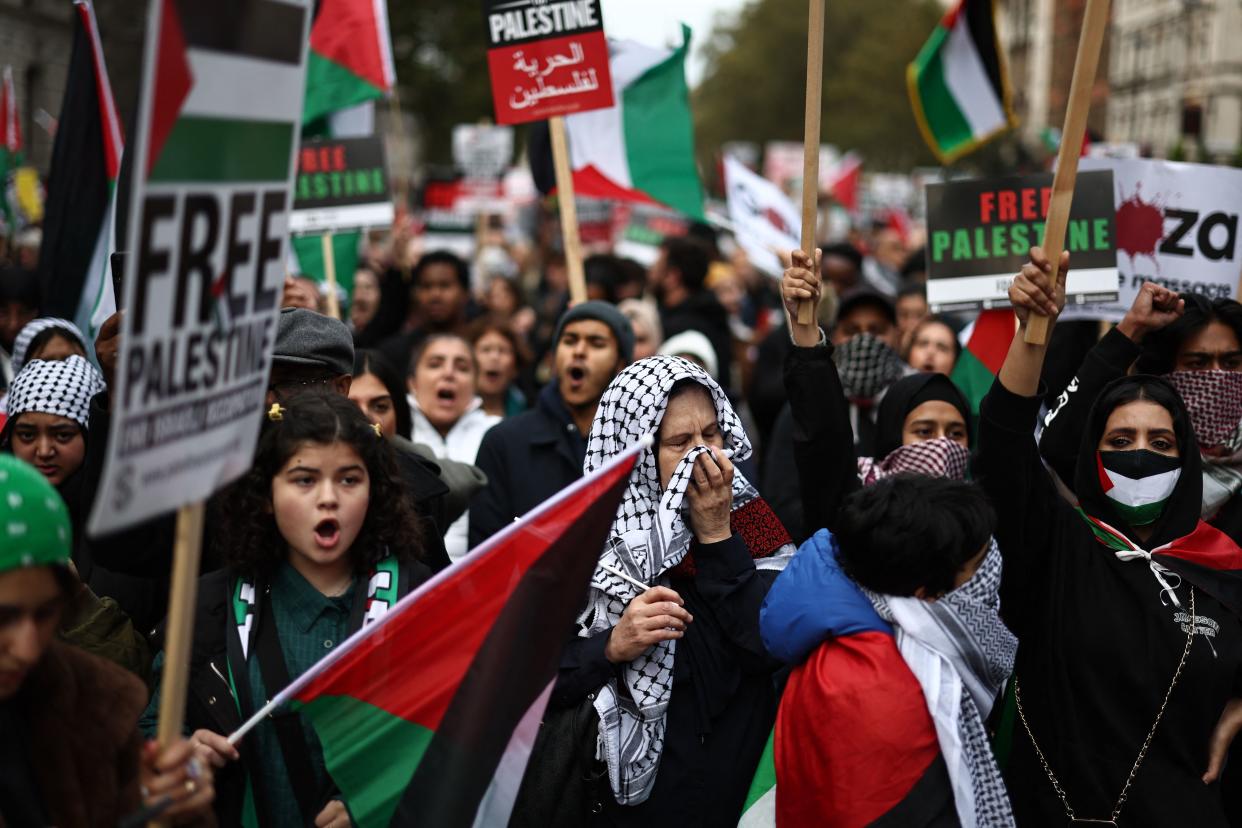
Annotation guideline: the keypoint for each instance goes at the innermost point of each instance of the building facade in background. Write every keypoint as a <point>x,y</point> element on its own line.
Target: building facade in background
<point>36,37</point>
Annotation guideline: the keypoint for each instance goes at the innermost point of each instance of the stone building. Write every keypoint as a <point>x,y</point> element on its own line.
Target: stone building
<point>36,38</point>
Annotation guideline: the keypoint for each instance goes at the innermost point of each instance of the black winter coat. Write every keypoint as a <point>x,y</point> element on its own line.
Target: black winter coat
<point>527,459</point>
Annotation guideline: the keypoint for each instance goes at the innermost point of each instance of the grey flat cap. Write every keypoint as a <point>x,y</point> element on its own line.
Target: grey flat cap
<point>304,337</point>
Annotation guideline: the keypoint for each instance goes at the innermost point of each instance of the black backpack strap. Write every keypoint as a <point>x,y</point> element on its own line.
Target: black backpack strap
<point>287,723</point>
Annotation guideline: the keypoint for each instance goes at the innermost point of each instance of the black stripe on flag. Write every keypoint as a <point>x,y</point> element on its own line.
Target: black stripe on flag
<point>1225,585</point>
<point>982,22</point>
<point>77,187</point>
<point>516,661</point>
<point>264,29</point>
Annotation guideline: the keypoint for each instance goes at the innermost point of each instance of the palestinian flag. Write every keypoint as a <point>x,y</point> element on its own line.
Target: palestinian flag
<point>1137,497</point>
<point>958,84</point>
<point>759,810</point>
<point>641,149</point>
<point>984,345</point>
<point>350,58</point>
<point>78,224</point>
<point>428,716</point>
<point>308,260</point>
<point>1207,558</point>
<point>10,147</point>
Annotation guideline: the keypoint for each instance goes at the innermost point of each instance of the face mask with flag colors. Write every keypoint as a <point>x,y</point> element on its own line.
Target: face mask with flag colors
<point>1138,482</point>
<point>1214,402</point>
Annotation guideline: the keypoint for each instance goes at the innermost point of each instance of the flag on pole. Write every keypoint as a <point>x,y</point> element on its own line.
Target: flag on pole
<point>844,180</point>
<point>81,201</point>
<point>10,148</point>
<point>984,345</point>
<point>958,83</point>
<point>642,148</point>
<point>350,57</point>
<point>428,715</point>
<point>765,222</point>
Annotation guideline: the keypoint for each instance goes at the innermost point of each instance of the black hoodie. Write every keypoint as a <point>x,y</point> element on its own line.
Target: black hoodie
<point>1098,645</point>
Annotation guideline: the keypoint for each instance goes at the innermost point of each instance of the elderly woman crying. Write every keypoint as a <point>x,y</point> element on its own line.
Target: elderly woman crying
<point>668,651</point>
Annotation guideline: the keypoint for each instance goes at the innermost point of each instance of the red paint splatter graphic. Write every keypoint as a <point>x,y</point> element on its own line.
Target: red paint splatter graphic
<point>1140,227</point>
<point>774,219</point>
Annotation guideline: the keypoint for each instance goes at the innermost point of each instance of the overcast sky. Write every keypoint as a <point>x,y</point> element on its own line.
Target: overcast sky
<point>658,22</point>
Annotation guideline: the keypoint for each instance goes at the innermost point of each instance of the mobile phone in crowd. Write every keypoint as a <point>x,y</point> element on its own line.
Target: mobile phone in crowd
<point>116,263</point>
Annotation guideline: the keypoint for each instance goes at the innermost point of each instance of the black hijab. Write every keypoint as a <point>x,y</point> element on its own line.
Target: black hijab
<point>1181,514</point>
<point>907,394</point>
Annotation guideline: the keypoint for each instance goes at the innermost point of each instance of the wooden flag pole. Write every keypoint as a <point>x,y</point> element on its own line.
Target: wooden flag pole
<point>329,272</point>
<point>810,148</point>
<point>179,629</point>
<point>1095,21</point>
<point>569,210</point>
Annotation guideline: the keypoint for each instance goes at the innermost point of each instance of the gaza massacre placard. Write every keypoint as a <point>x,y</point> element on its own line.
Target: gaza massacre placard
<point>208,227</point>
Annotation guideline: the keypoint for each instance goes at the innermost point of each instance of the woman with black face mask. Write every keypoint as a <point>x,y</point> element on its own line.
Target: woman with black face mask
<point>1193,342</point>
<point>1125,604</point>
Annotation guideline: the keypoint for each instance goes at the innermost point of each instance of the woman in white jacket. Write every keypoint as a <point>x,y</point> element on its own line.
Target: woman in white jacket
<point>448,414</point>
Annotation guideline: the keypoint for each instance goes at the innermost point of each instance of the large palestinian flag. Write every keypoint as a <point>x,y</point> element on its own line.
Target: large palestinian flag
<point>984,345</point>
<point>642,148</point>
<point>427,716</point>
<point>958,83</point>
<point>350,58</point>
<point>78,223</point>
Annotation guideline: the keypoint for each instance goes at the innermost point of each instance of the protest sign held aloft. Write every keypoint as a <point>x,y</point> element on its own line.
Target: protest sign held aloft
<point>1177,226</point>
<point>980,231</point>
<point>546,58</point>
<point>342,184</point>
<point>215,153</point>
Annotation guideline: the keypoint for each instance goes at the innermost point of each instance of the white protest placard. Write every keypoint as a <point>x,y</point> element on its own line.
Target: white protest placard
<point>765,222</point>
<point>217,135</point>
<point>1177,226</point>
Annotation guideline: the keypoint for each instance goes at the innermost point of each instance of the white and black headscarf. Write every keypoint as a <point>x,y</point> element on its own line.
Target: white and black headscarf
<point>62,387</point>
<point>649,537</point>
<point>35,327</point>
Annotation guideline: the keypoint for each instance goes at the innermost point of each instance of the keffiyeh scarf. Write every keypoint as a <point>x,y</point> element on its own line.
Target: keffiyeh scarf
<point>961,653</point>
<point>1214,401</point>
<point>63,387</point>
<point>867,366</point>
<point>35,327</point>
<point>941,457</point>
<point>649,537</point>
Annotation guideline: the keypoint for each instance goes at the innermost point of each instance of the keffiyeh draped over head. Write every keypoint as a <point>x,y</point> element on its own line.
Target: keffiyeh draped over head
<point>35,327</point>
<point>961,653</point>
<point>649,537</point>
<point>62,387</point>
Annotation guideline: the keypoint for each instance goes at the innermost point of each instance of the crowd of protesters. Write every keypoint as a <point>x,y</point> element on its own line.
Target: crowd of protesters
<point>915,609</point>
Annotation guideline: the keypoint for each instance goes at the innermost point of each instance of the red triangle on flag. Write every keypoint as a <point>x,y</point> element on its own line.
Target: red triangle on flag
<point>173,81</point>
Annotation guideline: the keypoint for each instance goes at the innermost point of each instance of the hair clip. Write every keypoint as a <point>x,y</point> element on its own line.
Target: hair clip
<point>276,413</point>
<point>379,430</point>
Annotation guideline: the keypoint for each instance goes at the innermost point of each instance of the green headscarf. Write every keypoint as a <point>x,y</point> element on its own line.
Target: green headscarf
<point>34,522</point>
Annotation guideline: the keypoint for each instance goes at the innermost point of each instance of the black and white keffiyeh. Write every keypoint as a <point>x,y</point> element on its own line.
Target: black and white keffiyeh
<point>961,653</point>
<point>649,537</point>
<point>63,387</point>
<point>867,366</point>
<point>35,327</point>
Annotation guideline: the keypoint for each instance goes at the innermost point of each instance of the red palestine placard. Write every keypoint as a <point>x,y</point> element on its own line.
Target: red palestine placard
<point>546,58</point>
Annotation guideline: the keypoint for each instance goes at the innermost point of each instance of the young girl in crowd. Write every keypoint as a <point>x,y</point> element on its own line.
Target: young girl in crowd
<point>922,425</point>
<point>933,347</point>
<point>501,358</point>
<point>319,539</point>
<point>1126,680</point>
<point>448,414</point>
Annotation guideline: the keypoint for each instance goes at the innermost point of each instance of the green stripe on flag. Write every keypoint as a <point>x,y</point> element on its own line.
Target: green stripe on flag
<point>765,774</point>
<point>217,150</point>
<point>972,378</point>
<point>940,115</point>
<point>370,754</point>
<point>309,251</point>
<point>330,86</point>
<point>659,134</point>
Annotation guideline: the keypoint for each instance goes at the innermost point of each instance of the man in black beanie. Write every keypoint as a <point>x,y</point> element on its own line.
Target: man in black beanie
<point>533,455</point>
